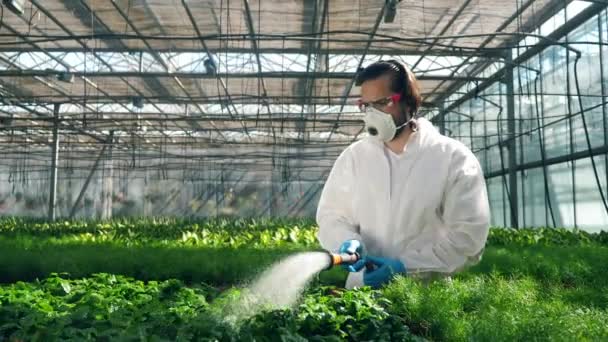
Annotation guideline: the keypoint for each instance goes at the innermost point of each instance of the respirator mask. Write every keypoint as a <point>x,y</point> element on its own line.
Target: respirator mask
<point>380,125</point>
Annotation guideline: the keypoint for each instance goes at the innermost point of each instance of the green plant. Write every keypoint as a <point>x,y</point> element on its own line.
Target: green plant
<point>109,307</point>
<point>531,284</point>
<point>262,232</point>
<point>492,307</point>
<point>28,258</point>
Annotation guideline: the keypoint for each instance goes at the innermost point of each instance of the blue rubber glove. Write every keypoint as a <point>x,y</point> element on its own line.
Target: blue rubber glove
<point>383,272</point>
<point>352,247</point>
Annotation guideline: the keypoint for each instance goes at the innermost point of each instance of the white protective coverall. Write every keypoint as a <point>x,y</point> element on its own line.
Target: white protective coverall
<point>427,207</point>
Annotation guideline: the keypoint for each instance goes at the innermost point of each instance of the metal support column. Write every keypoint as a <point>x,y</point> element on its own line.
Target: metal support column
<point>571,131</point>
<point>86,183</point>
<point>521,176</point>
<point>603,77</point>
<point>272,193</point>
<point>511,145</point>
<point>217,198</point>
<point>442,119</point>
<point>107,185</point>
<point>55,156</point>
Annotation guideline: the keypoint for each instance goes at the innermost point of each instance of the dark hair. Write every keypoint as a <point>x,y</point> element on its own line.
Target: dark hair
<point>403,82</point>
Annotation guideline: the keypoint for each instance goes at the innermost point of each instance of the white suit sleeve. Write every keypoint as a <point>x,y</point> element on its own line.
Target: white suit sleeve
<point>335,213</point>
<point>461,234</point>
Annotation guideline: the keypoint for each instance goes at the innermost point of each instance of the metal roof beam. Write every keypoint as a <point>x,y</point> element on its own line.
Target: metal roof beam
<point>258,60</point>
<point>441,52</point>
<point>210,57</point>
<point>318,63</point>
<point>241,99</point>
<point>550,9</point>
<point>89,18</point>
<point>153,52</point>
<point>61,62</point>
<point>556,35</point>
<point>363,55</point>
<point>157,83</point>
<point>200,75</point>
<point>97,137</point>
<point>443,31</point>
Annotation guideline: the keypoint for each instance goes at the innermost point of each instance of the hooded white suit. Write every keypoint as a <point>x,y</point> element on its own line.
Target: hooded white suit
<point>427,206</point>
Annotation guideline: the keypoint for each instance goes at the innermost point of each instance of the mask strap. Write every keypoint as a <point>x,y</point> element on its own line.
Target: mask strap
<point>405,124</point>
<point>412,120</point>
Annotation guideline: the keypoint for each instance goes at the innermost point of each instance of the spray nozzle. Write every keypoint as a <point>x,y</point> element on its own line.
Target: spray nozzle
<point>351,252</point>
<point>342,258</point>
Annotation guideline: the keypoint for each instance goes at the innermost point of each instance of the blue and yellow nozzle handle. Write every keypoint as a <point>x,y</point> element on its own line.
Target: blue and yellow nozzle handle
<point>351,256</point>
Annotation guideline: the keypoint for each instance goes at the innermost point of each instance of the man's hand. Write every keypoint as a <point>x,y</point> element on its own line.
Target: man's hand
<point>352,247</point>
<point>383,272</point>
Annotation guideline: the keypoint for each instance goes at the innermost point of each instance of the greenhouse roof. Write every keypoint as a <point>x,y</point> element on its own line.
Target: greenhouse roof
<point>210,73</point>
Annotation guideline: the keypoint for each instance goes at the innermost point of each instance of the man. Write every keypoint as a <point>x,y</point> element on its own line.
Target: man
<point>414,201</point>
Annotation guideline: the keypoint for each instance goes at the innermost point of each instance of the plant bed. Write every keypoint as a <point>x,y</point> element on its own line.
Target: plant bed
<point>484,307</point>
<point>263,232</point>
<point>108,307</point>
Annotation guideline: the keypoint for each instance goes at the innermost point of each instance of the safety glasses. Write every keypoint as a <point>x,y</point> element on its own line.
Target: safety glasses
<point>380,103</point>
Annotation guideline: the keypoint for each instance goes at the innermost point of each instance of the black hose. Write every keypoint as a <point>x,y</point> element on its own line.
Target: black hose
<point>541,143</point>
<point>589,148</point>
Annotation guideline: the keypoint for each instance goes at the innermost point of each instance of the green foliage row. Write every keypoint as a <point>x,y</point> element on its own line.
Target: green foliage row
<point>567,266</point>
<point>106,307</point>
<point>531,284</point>
<point>488,307</point>
<point>159,228</point>
<point>262,233</point>
<point>545,236</point>
<point>27,258</point>
<point>257,233</point>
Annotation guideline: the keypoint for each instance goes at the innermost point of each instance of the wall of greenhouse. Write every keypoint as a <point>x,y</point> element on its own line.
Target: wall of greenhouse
<point>151,188</point>
<point>558,143</point>
<point>555,175</point>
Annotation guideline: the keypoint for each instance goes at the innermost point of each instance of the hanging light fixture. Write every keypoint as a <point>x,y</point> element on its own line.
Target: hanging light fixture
<point>16,6</point>
<point>66,77</point>
<point>391,10</point>
<point>210,66</point>
<point>138,102</point>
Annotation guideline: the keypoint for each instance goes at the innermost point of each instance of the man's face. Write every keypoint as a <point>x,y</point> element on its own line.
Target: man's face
<point>379,89</point>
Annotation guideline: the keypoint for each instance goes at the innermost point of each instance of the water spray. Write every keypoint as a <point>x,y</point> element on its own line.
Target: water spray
<point>281,285</point>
